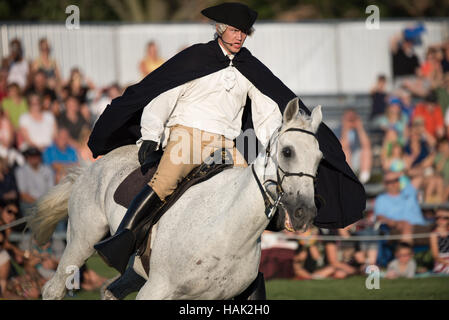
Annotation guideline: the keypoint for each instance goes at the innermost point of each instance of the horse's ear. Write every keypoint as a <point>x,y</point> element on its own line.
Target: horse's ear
<point>316,117</point>
<point>291,111</point>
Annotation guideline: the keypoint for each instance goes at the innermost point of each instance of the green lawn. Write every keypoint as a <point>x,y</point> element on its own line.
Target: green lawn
<point>352,288</point>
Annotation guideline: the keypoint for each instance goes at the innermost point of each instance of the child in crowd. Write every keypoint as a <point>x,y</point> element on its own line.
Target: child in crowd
<point>404,265</point>
<point>439,242</point>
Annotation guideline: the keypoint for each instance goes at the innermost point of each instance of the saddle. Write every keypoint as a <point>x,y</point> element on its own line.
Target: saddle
<point>136,180</point>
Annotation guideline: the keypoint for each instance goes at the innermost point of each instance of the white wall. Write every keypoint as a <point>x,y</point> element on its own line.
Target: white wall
<point>311,58</point>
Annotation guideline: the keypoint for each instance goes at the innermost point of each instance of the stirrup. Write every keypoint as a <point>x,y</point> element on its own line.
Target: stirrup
<point>116,250</point>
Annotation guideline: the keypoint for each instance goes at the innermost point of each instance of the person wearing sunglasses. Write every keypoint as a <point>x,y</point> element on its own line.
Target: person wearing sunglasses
<point>400,209</point>
<point>8,214</point>
<point>439,241</point>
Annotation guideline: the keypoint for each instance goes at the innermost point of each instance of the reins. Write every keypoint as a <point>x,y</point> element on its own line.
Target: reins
<point>270,209</point>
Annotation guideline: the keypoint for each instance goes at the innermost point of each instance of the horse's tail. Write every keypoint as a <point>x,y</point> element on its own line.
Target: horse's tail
<point>53,207</point>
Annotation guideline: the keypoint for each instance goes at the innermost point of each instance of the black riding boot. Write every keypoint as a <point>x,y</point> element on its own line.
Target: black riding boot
<point>117,249</point>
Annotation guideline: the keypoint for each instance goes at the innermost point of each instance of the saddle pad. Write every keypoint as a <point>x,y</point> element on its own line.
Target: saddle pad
<point>132,185</point>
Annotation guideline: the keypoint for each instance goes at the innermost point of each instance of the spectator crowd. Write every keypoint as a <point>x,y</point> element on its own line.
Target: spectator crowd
<point>45,123</point>
<point>404,148</point>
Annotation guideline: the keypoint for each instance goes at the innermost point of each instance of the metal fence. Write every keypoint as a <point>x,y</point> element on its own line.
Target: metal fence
<point>334,57</point>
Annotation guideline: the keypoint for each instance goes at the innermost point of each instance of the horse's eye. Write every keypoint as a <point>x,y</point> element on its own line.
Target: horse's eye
<point>287,152</point>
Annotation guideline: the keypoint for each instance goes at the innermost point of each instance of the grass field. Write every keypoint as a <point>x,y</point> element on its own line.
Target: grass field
<point>352,288</point>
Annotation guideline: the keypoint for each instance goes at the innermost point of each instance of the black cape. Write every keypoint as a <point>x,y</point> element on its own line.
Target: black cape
<point>119,125</point>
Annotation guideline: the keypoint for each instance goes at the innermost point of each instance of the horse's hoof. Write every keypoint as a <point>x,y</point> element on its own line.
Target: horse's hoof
<point>107,295</point>
<point>50,291</point>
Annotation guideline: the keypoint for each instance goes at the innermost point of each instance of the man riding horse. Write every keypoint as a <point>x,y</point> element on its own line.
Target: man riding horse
<point>201,96</point>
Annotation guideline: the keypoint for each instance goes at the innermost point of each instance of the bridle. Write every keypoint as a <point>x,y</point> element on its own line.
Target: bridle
<point>270,209</point>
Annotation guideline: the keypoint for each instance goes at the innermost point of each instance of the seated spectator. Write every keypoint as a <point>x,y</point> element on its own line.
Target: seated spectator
<point>45,63</point>
<point>418,151</point>
<point>305,265</point>
<point>445,58</point>
<point>5,259</point>
<point>367,250</point>
<point>8,186</point>
<point>378,97</point>
<point>78,87</point>
<point>393,119</point>
<point>151,61</point>
<point>34,179</point>
<point>37,127</point>
<point>60,155</point>
<point>104,97</point>
<point>308,262</point>
<point>404,60</point>
<point>14,105</point>
<point>442,92</point>
<point>8,213</point>
<point>7,151</point>
<point>406,103</point>
<point>400,210</point>
<point>394,159</point>
<point>84,152</point>
<point>431,113</point>
<point>47,261</point>
<point>404,266</point>
<point>6,130</point>
<point>439,242</point>
<point>439,182</point>
<point>431,65</point>
<point>90,280</point>
<point>24,287</point>
<point>17,65</point>
<point>356,144</point>
<point>341,268</point>
<point>28,285</point>
<point>427,74</point>
<point>72,120</point>
<point>40,87</point>
<point>3,83</point>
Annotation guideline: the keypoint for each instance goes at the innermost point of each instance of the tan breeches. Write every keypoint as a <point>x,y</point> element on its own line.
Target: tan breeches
<point>186,149</point>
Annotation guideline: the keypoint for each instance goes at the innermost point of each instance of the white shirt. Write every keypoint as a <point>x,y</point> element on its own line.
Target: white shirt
<point>213,103</point>
<point>18,73</point>
<point>40,132</point>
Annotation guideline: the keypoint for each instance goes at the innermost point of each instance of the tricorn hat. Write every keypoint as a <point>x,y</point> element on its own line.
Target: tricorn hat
<point>235,14</point>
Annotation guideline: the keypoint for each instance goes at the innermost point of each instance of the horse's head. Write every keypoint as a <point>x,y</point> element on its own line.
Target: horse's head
<point>295,157</point>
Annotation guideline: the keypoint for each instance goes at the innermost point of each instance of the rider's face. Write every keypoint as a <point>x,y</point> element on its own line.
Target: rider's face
<point>233,39</point>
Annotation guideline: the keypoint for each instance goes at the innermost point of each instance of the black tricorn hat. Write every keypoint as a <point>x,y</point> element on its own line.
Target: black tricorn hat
<point>235,14</point>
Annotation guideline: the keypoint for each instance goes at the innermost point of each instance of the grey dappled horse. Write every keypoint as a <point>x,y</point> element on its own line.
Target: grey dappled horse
<point>207,245</point>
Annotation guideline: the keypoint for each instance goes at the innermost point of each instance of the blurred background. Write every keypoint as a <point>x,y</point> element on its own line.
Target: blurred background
<point>380,73</point>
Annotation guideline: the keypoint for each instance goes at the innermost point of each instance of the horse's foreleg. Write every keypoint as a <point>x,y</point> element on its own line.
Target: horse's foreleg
<point>79,249</point>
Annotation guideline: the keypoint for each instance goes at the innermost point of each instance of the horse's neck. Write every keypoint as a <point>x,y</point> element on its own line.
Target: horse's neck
<point>254,218</point>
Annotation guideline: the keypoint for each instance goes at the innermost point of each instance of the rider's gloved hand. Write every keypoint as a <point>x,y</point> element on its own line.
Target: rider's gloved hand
<point>148,155</point>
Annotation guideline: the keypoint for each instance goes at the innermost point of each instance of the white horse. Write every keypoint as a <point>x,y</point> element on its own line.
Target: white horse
<point>207,246</point>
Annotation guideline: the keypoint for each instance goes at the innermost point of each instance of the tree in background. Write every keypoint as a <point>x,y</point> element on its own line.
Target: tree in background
<point>189,10</point>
